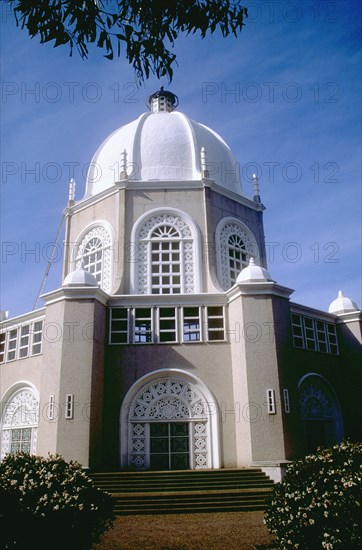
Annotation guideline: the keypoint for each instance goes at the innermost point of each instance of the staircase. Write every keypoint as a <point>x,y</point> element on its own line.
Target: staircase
<point>186,491</point>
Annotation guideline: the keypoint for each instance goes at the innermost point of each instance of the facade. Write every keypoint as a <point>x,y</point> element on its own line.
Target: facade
<point>168,344</point>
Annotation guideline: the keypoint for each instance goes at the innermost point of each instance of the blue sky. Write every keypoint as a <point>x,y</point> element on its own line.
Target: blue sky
<point>285,96</point>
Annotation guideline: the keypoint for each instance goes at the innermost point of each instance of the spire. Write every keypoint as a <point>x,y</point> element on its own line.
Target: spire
<point>256,189</point>
<point>162,101</point>
<point>71,192</point>
<point>123,175</point>
<point>203,159</point>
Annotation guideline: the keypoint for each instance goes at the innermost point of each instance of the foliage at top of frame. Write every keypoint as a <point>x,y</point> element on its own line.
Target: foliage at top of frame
<point>147,29</point>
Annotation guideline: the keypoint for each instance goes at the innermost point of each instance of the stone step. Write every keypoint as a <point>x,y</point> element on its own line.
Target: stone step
<point>185,491</point>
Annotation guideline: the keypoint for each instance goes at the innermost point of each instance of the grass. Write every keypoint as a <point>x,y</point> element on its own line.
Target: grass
<point>212,531</point>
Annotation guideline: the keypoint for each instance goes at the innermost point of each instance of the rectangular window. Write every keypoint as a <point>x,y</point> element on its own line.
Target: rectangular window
<point>167,328</point>
<point>309,334</point>
<point>12,341</point>
<point>321,336</point>
<point>314,334</point>
<point>20,440</point>
<point>24,341</point>
<point>271,401</point>
<point>2,347</point>
<point>69,406</point>
<point>215,323</point>
<point>332,339</point>
<point>191,324</point>
<point>119,325</point>
<point>51,407</point>
<point>142,325</point>
<point>297,329</point>
<point>37,338</point>
<point>286,401</point>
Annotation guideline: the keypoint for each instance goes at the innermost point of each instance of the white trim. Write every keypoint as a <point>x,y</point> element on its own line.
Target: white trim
<point>195,231</point>
<point>210,401</point>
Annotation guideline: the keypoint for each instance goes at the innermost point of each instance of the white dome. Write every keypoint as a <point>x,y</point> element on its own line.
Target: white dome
<point>162,145</point>
<point>342,304</point>
<point>80,277</point>
<point>253,274</point>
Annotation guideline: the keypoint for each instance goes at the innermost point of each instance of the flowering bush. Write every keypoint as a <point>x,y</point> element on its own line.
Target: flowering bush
<point>318,503</point>
<point>50,503</point>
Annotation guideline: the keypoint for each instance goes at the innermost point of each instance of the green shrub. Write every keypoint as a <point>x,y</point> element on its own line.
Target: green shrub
<point>318,503</point>
<point>50,503</point>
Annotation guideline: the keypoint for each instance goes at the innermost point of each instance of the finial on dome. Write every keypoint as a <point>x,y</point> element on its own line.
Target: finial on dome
<point>71,191</point>
<point>203,157</point>
<point>123,173</point>
<point>256,189</point>
<point>342,304</point>
<point>162,101</point>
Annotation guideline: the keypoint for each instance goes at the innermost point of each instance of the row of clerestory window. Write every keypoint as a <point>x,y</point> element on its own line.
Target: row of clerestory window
<point>157,325</point>
<point>314,334</point>
<point>20,342</point>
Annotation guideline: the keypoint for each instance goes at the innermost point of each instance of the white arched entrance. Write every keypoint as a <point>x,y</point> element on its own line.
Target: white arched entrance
<point>19,420</point>
<point>169,421</point>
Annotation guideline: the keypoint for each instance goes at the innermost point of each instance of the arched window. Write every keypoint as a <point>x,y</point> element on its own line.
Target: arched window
<point>19,422</point>
<point>93,252</point>
<point>169,421</point>
<point>166,254</point>
<point>320,413</point>
<point>235,245</point>
<point>238,256</point>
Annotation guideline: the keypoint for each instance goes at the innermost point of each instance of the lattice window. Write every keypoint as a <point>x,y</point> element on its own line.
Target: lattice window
<point>236,245</point>
<point>166,257</point>
<point>94,254</point>
<point>167,400</point>
<point>19,423</point>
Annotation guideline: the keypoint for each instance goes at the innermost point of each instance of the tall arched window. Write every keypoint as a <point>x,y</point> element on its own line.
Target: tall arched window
<point>93,252</point>
<point>166,255</point>
<point>238,256</point>
<point>235,244</point>
<point>19,422</point>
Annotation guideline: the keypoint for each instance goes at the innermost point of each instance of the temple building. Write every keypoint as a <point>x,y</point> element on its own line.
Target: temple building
<point>168,345</point>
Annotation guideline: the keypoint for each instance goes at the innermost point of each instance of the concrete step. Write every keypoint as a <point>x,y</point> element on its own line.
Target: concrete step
<point>185,491</point>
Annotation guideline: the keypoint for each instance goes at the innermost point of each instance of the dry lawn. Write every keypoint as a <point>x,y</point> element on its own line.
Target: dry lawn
<point>219,531</point>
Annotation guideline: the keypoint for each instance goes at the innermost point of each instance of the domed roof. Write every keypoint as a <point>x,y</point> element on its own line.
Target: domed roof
<point>80,277</point>
<point>253,274</point>
<point>162,145</point>
<point>342,304</point>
